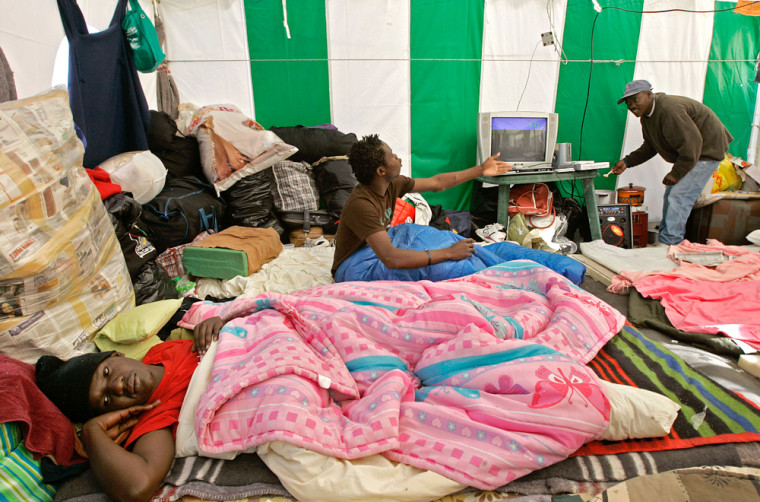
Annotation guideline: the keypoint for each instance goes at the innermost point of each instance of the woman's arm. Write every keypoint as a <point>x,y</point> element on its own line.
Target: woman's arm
<point>127,475</point>
<point>444,181</point>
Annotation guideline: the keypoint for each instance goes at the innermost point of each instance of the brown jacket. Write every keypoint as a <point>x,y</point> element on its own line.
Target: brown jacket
<point>682,131</point>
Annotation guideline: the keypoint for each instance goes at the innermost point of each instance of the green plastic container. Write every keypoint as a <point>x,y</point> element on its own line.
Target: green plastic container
<point>218,263</point>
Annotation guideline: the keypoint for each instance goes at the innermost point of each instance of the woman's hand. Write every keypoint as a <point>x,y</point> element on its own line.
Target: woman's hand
<point>204,332</point>
<point>118,424</point>
<point>462,250</point>
<point>493,167</point>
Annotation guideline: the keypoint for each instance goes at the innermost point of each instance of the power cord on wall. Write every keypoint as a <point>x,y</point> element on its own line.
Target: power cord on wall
<point>593,28</point>
<point>591,67</point>
<point>528,76</point>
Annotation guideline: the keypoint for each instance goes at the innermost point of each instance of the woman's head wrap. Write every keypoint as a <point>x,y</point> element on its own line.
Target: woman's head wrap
<point>67,383</point>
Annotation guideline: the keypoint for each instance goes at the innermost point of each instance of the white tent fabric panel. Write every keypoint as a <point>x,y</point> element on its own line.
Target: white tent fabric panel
<point>510,41</point>
<point>208,49</point>
<point>368,47</point>
<point>672,56</point>
<point>30,47</point>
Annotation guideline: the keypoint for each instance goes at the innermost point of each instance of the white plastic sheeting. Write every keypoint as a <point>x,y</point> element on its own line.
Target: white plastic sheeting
<point>509,80</point>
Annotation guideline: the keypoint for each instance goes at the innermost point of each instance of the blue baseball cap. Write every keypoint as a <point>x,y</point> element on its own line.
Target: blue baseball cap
<point>635,87</point>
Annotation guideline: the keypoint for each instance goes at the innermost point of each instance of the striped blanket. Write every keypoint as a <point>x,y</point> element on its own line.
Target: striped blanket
<point>710,413</point>
<point>482,379</point>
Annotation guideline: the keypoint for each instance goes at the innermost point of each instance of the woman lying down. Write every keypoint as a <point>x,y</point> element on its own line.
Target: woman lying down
<point>477,380</point>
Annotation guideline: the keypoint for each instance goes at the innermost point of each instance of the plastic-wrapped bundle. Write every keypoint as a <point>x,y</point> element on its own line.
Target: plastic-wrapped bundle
<point>153,284</point>
<point>62,274</point>
<point>250,200</point>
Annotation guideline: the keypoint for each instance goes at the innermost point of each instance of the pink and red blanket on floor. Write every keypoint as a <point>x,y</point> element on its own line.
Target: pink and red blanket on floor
<point>699,299</point>
<point>482,378</point>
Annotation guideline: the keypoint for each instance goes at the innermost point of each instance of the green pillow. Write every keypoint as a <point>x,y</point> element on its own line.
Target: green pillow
<point>133,331</point>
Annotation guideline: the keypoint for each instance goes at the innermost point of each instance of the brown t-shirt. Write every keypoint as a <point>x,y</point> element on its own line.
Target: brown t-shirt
<point>365,213</point>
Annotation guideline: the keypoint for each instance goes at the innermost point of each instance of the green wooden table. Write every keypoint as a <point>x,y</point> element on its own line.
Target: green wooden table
<point>504,181</point>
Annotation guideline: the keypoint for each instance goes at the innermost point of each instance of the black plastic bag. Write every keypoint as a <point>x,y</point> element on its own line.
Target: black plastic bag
<point>250,200</point>
<point>313,143</point>
<point>335,181</point>
<point>438,218</point>
<point>153,284</point>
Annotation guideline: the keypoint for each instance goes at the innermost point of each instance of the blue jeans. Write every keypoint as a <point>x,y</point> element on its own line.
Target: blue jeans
<point>680,198</point>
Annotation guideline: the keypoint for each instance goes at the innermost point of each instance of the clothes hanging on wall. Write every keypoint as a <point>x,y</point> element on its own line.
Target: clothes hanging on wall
<point>7,84</point>
<point>105,94</point>
<point>167,93</point>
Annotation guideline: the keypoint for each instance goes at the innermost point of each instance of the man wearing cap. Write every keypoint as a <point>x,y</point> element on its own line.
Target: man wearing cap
<point>685,133</point>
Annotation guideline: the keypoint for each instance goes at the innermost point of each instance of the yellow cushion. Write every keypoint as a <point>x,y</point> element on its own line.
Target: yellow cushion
<point>133,332</point>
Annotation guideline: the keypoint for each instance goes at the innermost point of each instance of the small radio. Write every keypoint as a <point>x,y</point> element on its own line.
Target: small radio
<point>617,227</point>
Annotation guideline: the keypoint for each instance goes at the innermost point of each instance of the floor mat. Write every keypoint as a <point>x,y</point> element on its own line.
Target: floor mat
<point>710,413</point>
<point>687,485</point>
<point>593,474</point>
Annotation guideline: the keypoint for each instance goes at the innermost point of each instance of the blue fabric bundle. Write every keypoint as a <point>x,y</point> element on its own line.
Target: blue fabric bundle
<point>364,265</point>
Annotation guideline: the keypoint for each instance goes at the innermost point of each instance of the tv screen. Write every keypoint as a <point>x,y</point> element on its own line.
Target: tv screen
<point>519,139</point>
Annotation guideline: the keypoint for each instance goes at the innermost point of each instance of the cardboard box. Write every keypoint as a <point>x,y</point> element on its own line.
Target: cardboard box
<point>728,220</point>
<point>753,172</point>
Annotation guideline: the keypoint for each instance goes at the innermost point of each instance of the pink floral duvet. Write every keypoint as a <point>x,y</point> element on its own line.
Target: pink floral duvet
<point>481,378</point>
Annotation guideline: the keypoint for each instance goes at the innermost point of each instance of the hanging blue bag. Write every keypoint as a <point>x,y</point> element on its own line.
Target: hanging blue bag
<point>142,38</point>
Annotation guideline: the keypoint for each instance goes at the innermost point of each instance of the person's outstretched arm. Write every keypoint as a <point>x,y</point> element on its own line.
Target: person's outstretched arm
<point>491,167</point>
<point>127,475</point>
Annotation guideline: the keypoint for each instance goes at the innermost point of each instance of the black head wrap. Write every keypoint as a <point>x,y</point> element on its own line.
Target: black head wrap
<point>67,383</point>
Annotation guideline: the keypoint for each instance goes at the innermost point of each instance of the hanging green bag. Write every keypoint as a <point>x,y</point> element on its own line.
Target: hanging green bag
<point>142,38</point>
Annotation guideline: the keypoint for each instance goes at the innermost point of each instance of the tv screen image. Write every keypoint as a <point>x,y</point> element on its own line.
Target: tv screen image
<point>519,139</point>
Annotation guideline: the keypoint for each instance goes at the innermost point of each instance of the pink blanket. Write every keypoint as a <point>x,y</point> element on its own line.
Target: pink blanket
<point>481,378</point>
<point>721,299</point>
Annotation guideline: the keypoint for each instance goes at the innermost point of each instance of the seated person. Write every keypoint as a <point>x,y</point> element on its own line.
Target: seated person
<point>368,211</point>
<point>125,401</point>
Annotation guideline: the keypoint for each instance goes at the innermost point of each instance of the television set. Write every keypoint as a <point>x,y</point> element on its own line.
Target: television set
<point>525,139</point>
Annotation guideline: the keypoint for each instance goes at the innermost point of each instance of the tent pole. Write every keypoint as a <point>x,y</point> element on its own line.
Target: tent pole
<point>752,149</point>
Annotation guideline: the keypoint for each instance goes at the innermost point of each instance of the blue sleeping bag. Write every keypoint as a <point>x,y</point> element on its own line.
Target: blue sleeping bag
<point>364,265</point>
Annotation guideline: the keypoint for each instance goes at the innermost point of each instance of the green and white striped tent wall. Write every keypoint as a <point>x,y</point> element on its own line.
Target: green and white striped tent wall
<point>417,72</point>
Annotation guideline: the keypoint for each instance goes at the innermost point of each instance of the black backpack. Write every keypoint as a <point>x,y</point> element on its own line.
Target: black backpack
<point>185,207</point>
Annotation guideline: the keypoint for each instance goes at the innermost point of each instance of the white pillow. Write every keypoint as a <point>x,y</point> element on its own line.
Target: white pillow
<point>309,475</point>
<point>754,237</point>
<point>638,413</point>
